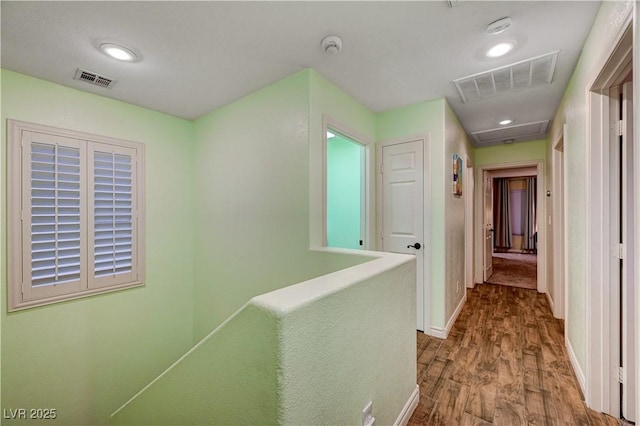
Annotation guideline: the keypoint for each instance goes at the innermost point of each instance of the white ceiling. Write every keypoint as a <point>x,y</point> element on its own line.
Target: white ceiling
<point>198,56</point>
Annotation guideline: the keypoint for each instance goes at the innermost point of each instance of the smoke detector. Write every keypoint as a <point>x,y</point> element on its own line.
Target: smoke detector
<point>332,45</point>
<point>499,26</point>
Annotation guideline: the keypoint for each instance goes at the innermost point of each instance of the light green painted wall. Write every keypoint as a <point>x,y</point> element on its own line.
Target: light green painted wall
<point>344,193</point>
<point>87,357</point>
<point>339,353</point>
<point>252,210</point>
<point>252,166</point>
<point>313,353</point>
<point>573,111</point>
<point>510,153</point>
<point>231,378</point>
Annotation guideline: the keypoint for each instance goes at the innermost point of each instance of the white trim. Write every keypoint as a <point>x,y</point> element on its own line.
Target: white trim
<point>558,225</point>
<point>367,144</point>
<point>550,301</point>
<point>541,206</point>
<point>443,333</point>
<point>409,408</point>
<point>636,167</point>
<point>468,225</point>
<point>613,66</point>
<point>576,366</point>
<point>426,252</point>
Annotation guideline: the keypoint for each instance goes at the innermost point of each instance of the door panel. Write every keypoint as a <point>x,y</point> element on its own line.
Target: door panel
<point>402,208</point>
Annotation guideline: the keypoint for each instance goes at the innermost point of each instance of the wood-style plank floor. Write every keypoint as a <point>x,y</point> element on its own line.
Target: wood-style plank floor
<point>504,363</point>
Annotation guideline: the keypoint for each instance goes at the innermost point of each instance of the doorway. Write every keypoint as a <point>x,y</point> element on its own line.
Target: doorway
<point>347,188</point>
<point>345,192</point>
<point>611,323</point>
<point>519,253</point>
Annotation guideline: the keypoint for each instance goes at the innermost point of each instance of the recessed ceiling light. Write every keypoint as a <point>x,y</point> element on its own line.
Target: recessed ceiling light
<point>501,49</point>
<point>120,53</point>
<point>505,122</point>
<point>330,135</point>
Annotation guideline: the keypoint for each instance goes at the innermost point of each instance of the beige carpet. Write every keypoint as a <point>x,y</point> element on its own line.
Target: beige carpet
<point>514,269</point>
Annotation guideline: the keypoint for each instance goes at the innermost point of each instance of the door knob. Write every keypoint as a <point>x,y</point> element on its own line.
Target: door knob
<point>415,246</point>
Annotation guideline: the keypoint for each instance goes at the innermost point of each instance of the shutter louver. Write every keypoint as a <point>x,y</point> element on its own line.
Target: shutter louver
<point>55,214</point>
<point>113,214</point>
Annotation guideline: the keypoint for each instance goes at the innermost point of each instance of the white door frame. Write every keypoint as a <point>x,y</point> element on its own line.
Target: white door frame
<point>426,251</point>
<point>541,209</point>
<point>596,381</point>
<point>558,218</point>
<point>367,225</point>
<point>468,226</point>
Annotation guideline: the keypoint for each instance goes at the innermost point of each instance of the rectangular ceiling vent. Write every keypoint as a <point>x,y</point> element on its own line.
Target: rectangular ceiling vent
<point>519,133</point>
<point>521,75</point>
<point>94,78</point>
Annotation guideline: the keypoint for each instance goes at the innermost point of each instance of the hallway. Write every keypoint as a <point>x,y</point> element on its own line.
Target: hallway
<point>514,269</point>
<point>504,363</point>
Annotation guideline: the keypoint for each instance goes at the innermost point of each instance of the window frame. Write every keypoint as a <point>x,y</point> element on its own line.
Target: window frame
<point>21,294</point>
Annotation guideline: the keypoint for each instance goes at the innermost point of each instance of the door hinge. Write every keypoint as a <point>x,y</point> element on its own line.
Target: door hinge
<point>620,127</point>
<point>618,251</point>
<point>618,374</point>
<point>381,169</point>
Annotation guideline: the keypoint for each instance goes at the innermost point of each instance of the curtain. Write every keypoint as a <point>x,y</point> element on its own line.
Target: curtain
<point>501,215</point>
<point>530,222</point>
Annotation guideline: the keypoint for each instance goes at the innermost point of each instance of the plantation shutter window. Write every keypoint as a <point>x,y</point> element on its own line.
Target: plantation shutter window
<point>74,216</point>
<point>113,215</point>
<point>52,233</point>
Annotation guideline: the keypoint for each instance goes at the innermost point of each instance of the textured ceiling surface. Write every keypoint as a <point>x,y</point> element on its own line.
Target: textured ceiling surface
<point>198,56</point>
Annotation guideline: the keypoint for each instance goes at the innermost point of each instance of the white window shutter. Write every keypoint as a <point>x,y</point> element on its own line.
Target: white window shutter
<point>113,222</point>
<point>52,230</point>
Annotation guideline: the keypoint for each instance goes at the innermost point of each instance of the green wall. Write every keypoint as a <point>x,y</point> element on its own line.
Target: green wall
<point>86,357</point>
<point>253,162</point>
<point>344,193</point>
<point>510,153</point>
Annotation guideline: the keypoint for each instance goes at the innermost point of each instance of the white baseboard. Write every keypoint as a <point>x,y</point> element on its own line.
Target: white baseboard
<point>442,333</point>
<point>551,304</point>
<point>408,408</point>
<point>576,367</point>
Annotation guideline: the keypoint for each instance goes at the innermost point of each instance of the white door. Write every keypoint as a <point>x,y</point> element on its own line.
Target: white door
<point>488,225</point>
<point>402,208</point>
<point>627,265</point>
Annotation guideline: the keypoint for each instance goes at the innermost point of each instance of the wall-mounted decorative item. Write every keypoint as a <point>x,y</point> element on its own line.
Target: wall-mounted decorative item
<point>457,175</point>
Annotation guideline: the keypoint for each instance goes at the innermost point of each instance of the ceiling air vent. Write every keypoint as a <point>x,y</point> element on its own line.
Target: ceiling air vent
<point>521,75</point>
<point>519,133</point>
<point>93,78</point>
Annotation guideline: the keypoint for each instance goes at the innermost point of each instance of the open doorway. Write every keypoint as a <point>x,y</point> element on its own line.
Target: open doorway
<point>511,227</point>
<point>514,251</point>
<point>347,206</point>
<point>510,236</point>
<point>345,191</point>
